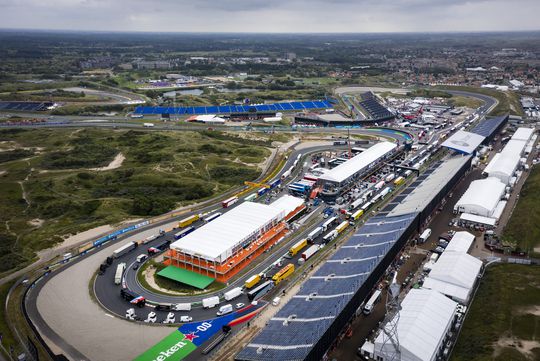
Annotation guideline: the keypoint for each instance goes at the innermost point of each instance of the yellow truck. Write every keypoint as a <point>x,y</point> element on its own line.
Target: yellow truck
<point>399,180</point>
<point>252,281</point>
<point>357,214</point>
<point>283,273</point>
<point>343,225</point>
<point>187,221</point>
<point>297,247</point>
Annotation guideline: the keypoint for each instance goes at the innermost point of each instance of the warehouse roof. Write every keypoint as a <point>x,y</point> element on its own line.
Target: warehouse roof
<point>454,275</point>
<point>482,193</point>
<point>424,318</point>
<point>216,240</point>
<point>464,142</point>
<point>421,192</point>
<point>303,320</point>
<point>478,219</point>
<point>354,165</point>
<point>460,242</point>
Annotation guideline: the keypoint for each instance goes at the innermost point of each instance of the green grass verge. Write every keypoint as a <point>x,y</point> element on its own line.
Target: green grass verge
<point>522,231</point>
<point>8,340</point>
<point>171,285</point>
<point>504,307</point>
<point>508,101</point>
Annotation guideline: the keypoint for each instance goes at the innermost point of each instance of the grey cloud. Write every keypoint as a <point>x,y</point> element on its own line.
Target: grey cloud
<point>272,15</point>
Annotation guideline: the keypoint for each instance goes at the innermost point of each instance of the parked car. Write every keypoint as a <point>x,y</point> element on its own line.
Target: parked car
<point>186,319</point>
<point>239,306</point>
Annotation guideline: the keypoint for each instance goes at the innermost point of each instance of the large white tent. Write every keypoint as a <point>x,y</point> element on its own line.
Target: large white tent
<point>460,242</point>
<point>217,240</point>
<point>504,164</point>
<point>454,274</point>
<point>482,197</point>
<point>424,320</point>
<point>346,170</point>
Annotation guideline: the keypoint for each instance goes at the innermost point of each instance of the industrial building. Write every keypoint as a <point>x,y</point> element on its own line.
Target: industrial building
<point>454,275</point>
<point>307,325</point>
<point>221,248</point>
<point>351,170</point>
<point>482,197</point>
<point>504,164</point>
<point>424,320</point>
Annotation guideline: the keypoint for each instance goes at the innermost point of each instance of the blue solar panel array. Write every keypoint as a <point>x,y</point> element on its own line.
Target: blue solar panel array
<point>228,109</point>
<point>488,126</point>
<point>25,106</point>
<point>298,326</point>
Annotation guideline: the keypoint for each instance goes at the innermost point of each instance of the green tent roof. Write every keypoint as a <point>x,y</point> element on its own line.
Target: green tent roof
<point>187,277</point>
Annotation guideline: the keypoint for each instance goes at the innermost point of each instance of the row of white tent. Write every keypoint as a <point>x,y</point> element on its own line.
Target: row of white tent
<point>428,313</point>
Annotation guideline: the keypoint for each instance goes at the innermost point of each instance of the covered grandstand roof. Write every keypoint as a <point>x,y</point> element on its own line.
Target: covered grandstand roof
<point>424,319</point>
<point>464,142</point>
<point>302,321</point>
<point>358,163</point>
<point>488,126</point>
<point>216,240</point>
<point>228,109</point>
<point>460,242</point>
<point>422,191</point>
<point>454,275</point>
<point>481,197</point>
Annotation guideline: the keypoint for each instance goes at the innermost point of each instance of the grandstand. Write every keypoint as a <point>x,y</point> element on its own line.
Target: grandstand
<point>372,106</point>
<point>488,127</point>
<point>308,324</point>
<point>232,109</point>
<point>26,106</point>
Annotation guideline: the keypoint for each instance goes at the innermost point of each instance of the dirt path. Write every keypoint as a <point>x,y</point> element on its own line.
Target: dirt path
<point>115,163</point>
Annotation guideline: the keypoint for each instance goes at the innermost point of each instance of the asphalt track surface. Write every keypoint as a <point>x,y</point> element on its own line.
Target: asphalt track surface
<point>76,325</point>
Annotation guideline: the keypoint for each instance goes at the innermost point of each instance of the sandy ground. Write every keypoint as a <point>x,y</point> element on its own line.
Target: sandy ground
<point>65,301</point>
<point>115,163</point>
<point>523,346</point>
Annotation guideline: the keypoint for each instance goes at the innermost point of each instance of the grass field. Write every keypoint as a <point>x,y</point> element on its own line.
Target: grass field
<point>504,320</point>
<point>522,230</point>
<point>53,190</point>
<point>459,101</point>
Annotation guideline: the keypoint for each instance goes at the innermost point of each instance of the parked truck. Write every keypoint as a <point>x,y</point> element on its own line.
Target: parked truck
<point>342,226</point>
<point>210,302</point>
<point>229,202</point>
<point>124,249</point>
<point>232,294</point>
<point>314,234</point>
<point>310,252</point>
<point>119,273</point>
<point>188,220</point>
<point>252,281</point>
<point>297,247</point>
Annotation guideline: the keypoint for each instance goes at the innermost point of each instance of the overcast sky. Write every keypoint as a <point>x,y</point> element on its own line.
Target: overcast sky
<point>272,15</point>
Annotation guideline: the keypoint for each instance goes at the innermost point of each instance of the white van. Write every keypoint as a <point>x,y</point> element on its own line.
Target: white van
<point>425,235</point>
<point>141,258</point>
<point>225,309</point>
<point>276,301</point>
